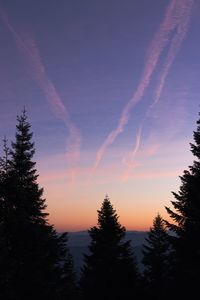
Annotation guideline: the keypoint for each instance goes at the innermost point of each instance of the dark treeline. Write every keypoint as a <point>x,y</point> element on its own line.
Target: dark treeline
<point>35,261</point>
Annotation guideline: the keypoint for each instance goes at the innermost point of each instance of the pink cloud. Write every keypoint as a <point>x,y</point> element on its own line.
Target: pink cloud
<point>150,175</point>
<point>151,150</point>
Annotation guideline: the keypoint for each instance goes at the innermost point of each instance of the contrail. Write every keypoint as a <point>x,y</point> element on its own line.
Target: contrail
<point>182,28</point>
<point>183,16</point>
<point>132,154</point>
<point>28,47</point>
<point>137,143</point>
<point>129,160</point>
<point>160,40</point>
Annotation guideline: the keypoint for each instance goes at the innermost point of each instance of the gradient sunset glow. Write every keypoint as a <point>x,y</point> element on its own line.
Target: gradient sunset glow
<point>112,93</point>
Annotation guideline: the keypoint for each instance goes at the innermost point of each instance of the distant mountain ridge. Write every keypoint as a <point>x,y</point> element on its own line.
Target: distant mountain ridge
<point>81,238</point>
<point>78,243</point>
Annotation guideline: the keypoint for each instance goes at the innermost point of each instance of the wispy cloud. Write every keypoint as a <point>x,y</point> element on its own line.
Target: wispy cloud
<point>28,47</point>
<point>151,175</point>
<point>176,17</point>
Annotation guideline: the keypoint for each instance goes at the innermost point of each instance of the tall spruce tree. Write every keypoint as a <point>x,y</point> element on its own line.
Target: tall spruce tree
<point>110,271</point>
<point>34,261</point>
<point>156,259</point>
<point>186,225</point>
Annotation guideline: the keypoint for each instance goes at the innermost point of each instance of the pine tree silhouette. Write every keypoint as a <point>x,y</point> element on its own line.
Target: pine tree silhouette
<point>156,259</point>
<point>186,215</point>
<point>110,271</point>
<point>33,258</point>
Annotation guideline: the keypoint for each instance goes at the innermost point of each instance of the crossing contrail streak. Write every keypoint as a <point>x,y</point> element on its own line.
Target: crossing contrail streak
<point>173,19</point>
<point>184,11</point>
<point>182,28</point>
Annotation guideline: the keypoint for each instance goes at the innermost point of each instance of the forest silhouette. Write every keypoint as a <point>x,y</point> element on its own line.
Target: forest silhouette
<point>35,260</point>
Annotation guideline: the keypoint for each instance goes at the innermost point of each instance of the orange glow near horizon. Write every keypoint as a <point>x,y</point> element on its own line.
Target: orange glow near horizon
<point>137,200</point>
<point>82,215</point>
<point>82,221</point>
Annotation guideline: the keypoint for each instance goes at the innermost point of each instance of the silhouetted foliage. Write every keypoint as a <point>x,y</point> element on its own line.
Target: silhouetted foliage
<point>156,259</point>
<point>66,285</point>
<point>186,215</point>
<point>34,261</point>
<point>110,271</point>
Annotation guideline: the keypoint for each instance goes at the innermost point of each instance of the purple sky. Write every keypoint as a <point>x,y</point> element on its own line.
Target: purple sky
<point>112,92</point>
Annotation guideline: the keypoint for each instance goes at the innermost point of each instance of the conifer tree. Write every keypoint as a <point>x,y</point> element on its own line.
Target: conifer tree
<point>186,224</point>
<point>156,259</point>
<point>3,245</point>
<point>34,260</point>
<point>110,271</point>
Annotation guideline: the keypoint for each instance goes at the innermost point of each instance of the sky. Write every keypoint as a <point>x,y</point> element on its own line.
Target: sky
<point>112,92</point>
